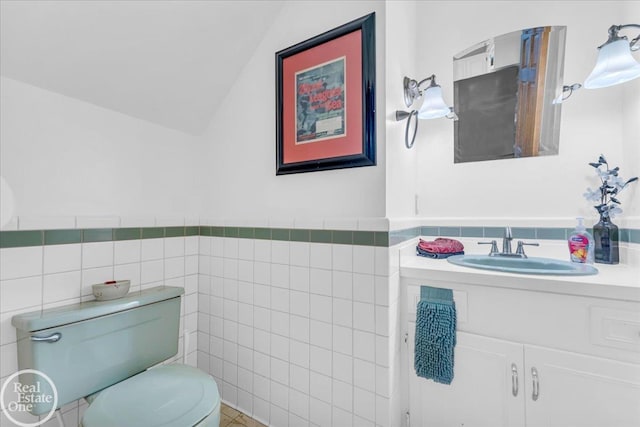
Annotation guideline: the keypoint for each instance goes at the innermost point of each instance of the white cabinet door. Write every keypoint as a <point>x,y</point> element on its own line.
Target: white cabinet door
<point>486,390</point>
<point>574,390</point>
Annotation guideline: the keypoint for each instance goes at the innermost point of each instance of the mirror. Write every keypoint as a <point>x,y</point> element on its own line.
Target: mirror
<point>507,95</point>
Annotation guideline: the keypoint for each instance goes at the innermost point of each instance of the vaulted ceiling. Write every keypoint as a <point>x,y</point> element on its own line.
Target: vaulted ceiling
<point>167,62</point>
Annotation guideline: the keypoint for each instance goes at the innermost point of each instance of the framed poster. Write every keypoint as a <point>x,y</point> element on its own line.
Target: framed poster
<point>325,100</point>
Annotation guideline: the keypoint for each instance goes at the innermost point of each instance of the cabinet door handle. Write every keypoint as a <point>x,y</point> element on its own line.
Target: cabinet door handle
<point>514,379</point>
<point>536,384</point>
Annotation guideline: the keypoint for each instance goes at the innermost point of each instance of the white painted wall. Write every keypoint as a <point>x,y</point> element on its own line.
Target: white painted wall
<point>65,157</point>
<point>630,164</point>
<point>402,164</point>
<point>543,190</point>
<point>240,153</point>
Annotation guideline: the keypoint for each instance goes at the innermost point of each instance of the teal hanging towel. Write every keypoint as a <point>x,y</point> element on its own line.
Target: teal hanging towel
<point>435,334</point>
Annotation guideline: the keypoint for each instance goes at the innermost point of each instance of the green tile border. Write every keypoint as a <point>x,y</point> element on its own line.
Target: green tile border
<point>127,233</point>
<point>19,239</point>
<point>342,237</point>
<point>246,232</point>
<point>90,235</point>
<point>152,233</point>
<point>26,238</point>
<point>174,232</point>
<point>320,236</point>
<point>298,235</point>
<point>262,233</point>
<point>281,234</point>
<point>62,237</point>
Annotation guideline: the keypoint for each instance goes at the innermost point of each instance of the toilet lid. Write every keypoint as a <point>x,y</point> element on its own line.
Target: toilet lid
<point>167,396</point>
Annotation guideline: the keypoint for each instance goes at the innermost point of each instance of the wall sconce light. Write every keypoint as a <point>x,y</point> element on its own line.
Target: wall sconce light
<point>433,106</point>
<point>615,63</point>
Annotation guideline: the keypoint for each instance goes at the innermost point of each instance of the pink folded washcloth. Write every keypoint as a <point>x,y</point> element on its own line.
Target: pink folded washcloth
<point>441,246</point>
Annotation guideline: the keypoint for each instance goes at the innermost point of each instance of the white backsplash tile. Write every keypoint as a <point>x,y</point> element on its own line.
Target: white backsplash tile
<point>300,353</point>
<point>99,254</point>
<point>299,254</point>
<point>17,294</point>
<point>364,288</point>
<point>262,250</point>
<point>320,282</point>
<point>364,259</point>
<point>152,249</point>
<point>20,262</point>
<point>342,286</point>
<point>342,312</point>
<point>342,257</point>
<point>342,339</point>
<point>61,286</point>
<point>320,360</point>
<point>299,278</point>
<point>286,328</point>
<point>151,271</point>
<point>124,251</point>
<point>59,258</point>
<point>364,375</point>
<point>7,331</point>
<point>299,329</point>
<point>320,256</point>
<point>279,252</point>
<point>174,247</point>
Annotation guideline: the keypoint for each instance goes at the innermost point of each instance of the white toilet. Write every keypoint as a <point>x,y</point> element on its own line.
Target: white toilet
<point>101,351</point>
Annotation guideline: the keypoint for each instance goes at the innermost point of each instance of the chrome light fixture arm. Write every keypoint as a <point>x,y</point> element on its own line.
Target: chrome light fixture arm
<point>412,88</point>
<point>435,106</point>
<point>613,36</point>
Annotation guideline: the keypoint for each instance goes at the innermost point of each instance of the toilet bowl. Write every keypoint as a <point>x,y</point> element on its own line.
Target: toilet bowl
<point>111,353</point>
<point>168,396</point>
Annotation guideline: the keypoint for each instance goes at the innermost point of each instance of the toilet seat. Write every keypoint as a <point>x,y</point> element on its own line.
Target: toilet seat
<point>167,396</point>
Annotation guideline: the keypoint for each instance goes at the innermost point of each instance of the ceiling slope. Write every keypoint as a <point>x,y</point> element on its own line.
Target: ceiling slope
<point>167,62</point>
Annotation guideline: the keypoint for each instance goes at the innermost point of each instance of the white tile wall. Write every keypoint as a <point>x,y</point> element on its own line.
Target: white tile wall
<point>297,332</point>
<point>35,278</point>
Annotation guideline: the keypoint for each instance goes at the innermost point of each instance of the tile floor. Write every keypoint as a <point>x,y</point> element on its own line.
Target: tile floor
<point>229,417</point>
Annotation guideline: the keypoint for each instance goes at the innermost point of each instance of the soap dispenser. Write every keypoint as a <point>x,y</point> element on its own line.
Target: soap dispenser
<point>581,244</point>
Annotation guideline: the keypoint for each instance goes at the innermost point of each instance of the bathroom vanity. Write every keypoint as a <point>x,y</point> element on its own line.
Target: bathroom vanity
<point>531,350</point>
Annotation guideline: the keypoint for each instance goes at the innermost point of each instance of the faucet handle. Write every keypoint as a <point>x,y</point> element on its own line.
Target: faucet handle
<point>494,247</point>
<point>521,245</point>
<point>507,233</point>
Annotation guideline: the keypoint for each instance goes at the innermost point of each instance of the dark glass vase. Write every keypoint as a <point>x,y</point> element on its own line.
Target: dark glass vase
<point>606,238</point>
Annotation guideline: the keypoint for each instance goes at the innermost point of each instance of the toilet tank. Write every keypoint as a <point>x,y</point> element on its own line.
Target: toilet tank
<point>99,343</point>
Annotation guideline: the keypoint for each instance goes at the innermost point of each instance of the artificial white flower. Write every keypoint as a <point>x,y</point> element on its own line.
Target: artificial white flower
<point>592,195</point>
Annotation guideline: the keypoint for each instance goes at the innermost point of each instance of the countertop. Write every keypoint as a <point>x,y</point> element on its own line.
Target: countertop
<point>620,281</point>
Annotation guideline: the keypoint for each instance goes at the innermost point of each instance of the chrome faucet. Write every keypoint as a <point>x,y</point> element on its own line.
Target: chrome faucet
<point>506,246</point>
<point>506,241</point>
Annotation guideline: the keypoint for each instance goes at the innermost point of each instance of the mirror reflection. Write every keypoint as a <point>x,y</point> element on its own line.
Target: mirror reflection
<point>506,92</point>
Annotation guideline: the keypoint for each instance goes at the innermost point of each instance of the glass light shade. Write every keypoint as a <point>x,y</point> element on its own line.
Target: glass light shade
<point>615,65</point>
<point>433,105</point>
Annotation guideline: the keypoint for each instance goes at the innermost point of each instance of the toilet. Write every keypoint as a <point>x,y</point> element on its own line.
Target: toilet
<point>108,352</point>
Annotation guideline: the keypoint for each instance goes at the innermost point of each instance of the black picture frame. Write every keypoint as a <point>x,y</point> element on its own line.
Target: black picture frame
<point>367,156</point>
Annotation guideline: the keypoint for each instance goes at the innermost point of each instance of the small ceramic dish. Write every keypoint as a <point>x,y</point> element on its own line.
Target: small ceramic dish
<point>111,290</point>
